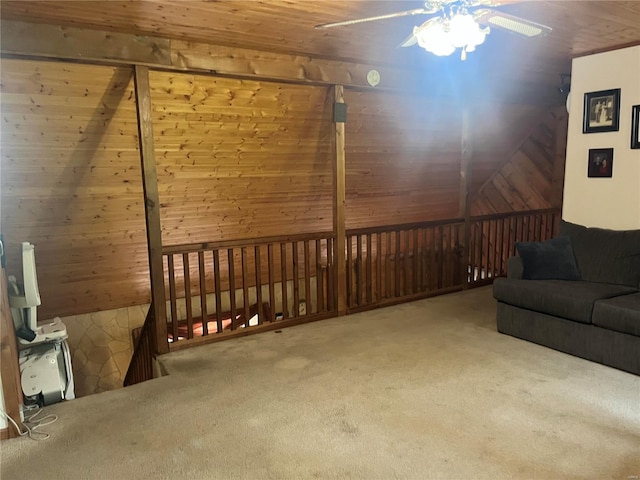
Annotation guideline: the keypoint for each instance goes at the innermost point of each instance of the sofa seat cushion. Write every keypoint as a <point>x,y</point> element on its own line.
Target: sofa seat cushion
<point>573,300</point>
<point>621,314</point>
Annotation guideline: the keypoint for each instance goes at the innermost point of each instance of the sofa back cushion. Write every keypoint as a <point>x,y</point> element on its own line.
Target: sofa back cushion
<point>606,256</point>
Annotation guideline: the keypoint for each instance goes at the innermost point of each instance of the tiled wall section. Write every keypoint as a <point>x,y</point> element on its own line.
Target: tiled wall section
<point>101,344</point>
<point>101,347</point>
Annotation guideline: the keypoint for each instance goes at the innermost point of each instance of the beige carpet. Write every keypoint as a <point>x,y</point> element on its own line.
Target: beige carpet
<point>422,390</point>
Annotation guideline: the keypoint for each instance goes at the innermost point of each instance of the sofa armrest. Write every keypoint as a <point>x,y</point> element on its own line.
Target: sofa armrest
<point>515,267</point>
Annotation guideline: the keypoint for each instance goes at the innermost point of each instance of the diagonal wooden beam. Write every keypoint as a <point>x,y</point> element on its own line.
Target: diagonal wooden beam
<point>151,207</point>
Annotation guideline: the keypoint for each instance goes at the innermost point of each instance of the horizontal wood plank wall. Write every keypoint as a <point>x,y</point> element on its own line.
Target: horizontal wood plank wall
<point>526,180</point>
<point>71,184</point>
<point>403,158</point>
<point>240,159</point>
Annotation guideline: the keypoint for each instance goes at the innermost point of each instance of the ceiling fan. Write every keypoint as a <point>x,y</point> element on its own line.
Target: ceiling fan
<point>456,24</point>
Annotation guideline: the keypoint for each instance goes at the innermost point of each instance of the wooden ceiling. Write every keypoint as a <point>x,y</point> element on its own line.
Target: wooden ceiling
<point>286,26</point>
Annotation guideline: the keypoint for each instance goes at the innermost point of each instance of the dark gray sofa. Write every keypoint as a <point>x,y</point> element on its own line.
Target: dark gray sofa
<point>594,315</point>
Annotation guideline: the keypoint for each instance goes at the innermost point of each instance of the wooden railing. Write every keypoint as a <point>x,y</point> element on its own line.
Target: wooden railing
<point>222,289</point>
<point>141,366</point>
<point>398,263</point>
<point>389,264</point>
<point>492,240</point>
<point>218,288</point>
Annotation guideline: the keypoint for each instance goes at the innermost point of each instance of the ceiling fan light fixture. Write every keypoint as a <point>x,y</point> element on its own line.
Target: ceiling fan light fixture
<point>443,36</point>
<point>434,38</point>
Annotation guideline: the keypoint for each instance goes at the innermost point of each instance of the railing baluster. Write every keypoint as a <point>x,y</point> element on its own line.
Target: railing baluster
<point>416,261</point>
<point>501,249</point>
<point>245,287</point>
<point>218,290</point>
<point>285,288</point>
<point>456,255</point>
<point>350,272</point>
<point>271,269</point>
<point>319,278</point>
<point>231,266</point>
<point>258,266</point>
<point>296,279</point>
<point>369,286</point>
<point>424,262</point>
<point>398,263</point>
<point>430,259</point>
<point>388,271</point>
<point>407,262</point>
<point>378,267</point>
<point>203,294</point>
<point>173,297</point>
<point>307,279</point>
<point>331,275</point>
<point>187,294</point>
<point>440,255</point>
<point>359,277</point>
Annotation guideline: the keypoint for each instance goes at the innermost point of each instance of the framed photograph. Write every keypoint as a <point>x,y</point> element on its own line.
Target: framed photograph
<point>635,126</point>
<point>600,162</point>
<point>601,111</point>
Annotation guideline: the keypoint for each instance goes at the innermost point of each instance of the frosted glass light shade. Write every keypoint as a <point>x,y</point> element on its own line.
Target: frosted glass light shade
<point>442,36</point>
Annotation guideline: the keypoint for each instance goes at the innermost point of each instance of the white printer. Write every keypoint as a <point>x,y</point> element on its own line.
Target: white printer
<point>45,361</point>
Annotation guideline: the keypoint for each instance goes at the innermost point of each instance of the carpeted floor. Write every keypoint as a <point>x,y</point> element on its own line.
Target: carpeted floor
<point>418,391</point>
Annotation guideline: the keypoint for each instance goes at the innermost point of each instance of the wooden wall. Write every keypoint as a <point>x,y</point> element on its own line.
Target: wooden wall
<point>71,183</point>
<point>531,176</point>
<point>236,159</point>
<point>402,157</point>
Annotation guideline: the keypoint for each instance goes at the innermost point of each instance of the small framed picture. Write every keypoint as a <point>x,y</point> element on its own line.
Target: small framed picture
<point>635,126</point>
<point>600,162</point>
<point>601,111</point>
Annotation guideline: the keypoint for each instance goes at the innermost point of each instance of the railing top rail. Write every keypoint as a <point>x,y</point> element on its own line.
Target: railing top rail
<point>402,226</point>
<point>496,216</point>
<point>249,242</point>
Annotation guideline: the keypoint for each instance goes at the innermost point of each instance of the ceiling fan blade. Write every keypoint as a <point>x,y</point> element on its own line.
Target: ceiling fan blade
<point>417,11</point>
<point>511,23</point>
<point>409,41</point>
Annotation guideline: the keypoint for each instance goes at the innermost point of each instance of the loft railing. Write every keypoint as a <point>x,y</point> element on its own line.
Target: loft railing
<point>492,240</point>
<point>395,263</point>
<point>141,366</point>
<point>218,288</point>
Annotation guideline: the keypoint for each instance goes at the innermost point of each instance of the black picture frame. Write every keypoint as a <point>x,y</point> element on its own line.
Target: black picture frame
<point>635,127</point>
<point>600,163</point>
<point>601,111</point>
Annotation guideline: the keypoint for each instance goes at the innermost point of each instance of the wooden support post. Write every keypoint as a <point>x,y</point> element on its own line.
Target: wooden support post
<point>11,386</point>
<point>465,185</point>
<point>339,219</point>
<point>151,207</point>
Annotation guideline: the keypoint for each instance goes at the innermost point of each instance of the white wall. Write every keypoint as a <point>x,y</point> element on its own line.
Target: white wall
<point>603,202</point>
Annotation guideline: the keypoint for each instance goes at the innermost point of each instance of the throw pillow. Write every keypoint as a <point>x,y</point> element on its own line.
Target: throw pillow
<point>549,260</point>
